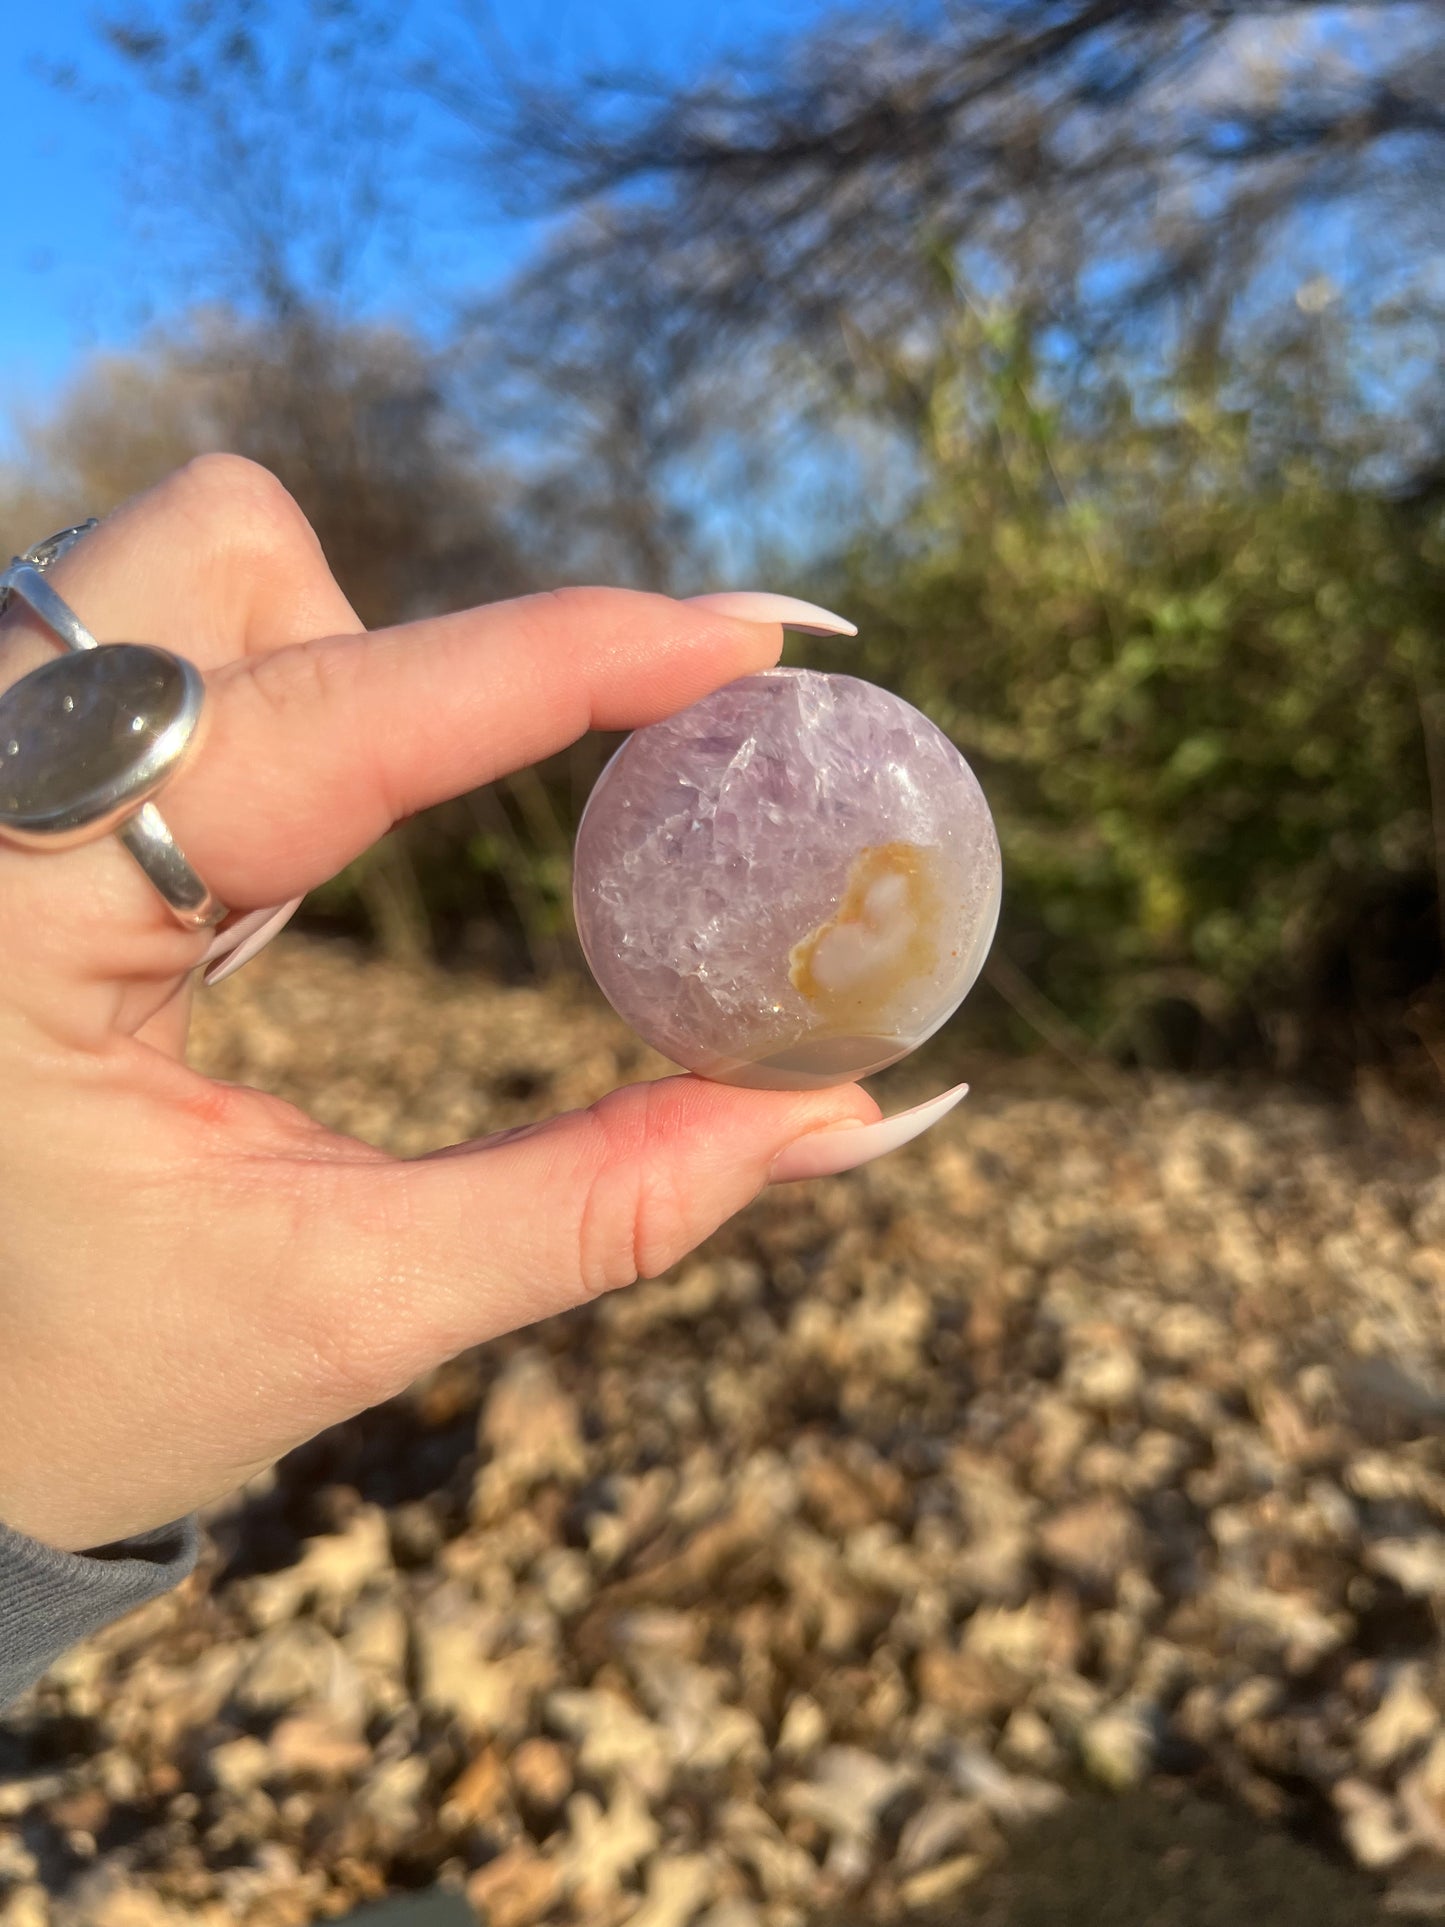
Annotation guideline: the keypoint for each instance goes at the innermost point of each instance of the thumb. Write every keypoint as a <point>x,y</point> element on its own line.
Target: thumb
<point>404,1264</point>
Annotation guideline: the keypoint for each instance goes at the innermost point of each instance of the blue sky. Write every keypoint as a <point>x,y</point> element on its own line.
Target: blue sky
<point>83,275</point>
<point>79,276</point>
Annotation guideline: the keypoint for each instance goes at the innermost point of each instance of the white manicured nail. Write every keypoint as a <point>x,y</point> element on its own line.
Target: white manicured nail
<point>758,605</point>
<point>827,1153</point>
<point>247,936</point>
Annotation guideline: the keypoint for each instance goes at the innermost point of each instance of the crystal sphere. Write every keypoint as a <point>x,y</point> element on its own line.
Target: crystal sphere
<point>791,884</point>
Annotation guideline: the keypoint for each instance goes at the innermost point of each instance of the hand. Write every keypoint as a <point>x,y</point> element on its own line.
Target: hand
<point>194,1277</point>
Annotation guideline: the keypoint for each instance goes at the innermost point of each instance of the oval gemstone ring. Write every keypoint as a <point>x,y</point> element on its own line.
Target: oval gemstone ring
<point>90,738</point>
<point>85,740</point>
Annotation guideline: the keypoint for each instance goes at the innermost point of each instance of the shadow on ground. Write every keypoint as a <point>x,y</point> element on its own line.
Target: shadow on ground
<point>1145,1861</point>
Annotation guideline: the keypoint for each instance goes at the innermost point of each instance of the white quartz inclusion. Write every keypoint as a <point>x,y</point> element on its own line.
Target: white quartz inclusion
<point>790,884</point>
<point>849,955</point>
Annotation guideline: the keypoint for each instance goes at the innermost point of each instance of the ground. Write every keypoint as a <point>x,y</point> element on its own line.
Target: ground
<point>1076,1475</point>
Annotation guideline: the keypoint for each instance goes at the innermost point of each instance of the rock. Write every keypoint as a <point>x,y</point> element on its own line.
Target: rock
<point>706,1734</point>
<point>1028,1741</point>
<point>311,1744</point>
<point>480,1791</point>
<point>1040,1637</point>
<point>1253,1699</point>
<point>17,1863</point>
<point>1061,1432</point>
<point>533,1431</point>
<point>417,1533</point>
<point>1118,1745</point>
<point>376,1637</point>
<point>782,1869</point>
<point>1287,1621</point>
<point>1375,1831</point>
<point>820,1589</point>
<point>240,1765</point>
<point>1185,1334</point>
<point>332,1570</point>
<point>301,1664</point>
<point>678,1887</point>
<point>392,1793</point>
<point>565,1577</point>
<point>516,1888</point>
<point>1418,1564</point>
<point>942,1882</point>
<point>1093,1541</point>
<point>614,1740</point>
<point>627,1510</point>
<point>804,1728</point>
<point>493,1698</point>
<point>846,1495</point>
<point>732,1912</point>
<point>82,1813</point>
<point>274,1890</point>
<point>1422,1798</point>
<point>1105,1377</point>
<point>1163,1668</point>
<point>135,1906</point>
<point>1405,1718</point>
<point>119,1775</point>
<point>964,1684</point>
<point>1428,1223</point>
<point>25,1906</point>
<point>938,1830</point>
<point>605,1845</point>
<point>1068,1702</point>
<point>848,1791</point>
<point>1013,1798</point>
<point>20,1795</point>
<point>541,1776</point>
<point>179,1699</point>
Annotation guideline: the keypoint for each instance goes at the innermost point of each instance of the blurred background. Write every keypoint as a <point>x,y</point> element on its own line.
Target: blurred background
<point>1082,1469</point>
<point>1087,355</point>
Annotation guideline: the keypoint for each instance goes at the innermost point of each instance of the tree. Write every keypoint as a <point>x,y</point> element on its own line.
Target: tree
<point>1119,168</point>
<point>1201,674</point>
<point>354,420</point>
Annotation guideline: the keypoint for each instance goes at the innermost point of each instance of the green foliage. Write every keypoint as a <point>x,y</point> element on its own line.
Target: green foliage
<point>1190,639</point>
<point>1198,665</point>
<point>1195,650</point>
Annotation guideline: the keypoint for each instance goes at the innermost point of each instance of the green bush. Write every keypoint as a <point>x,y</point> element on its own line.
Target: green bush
<point>1195,649</point>
<point>1199,664</point>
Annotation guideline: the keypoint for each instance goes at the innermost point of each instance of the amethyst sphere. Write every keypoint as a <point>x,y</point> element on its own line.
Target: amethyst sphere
<point>791,884</point>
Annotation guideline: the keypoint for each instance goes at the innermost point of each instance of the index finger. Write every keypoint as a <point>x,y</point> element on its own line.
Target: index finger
<point>314,751</point>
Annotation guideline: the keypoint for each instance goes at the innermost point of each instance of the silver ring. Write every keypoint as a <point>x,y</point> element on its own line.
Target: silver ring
<point>87,741</point>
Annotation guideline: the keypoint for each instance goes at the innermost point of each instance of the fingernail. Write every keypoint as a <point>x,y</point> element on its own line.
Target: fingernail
<point>245,938</point>
<point>827,1153</point>
<point>227,940</point>
<point>757,605</point>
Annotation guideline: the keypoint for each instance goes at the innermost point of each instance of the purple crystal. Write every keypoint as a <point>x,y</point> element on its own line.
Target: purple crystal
<point>791,884</point>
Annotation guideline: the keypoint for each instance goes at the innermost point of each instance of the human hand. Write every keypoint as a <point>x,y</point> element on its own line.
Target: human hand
<point>194,1276</point>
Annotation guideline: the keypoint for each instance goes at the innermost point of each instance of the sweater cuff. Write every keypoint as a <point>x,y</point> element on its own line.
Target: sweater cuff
<point>49,1599</point>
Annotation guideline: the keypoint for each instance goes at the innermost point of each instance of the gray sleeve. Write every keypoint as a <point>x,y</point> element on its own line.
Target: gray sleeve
<point>50,1599</point>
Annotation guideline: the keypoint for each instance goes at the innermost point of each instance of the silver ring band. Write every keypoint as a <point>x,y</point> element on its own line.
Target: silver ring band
<point>144,833</point>
<point>187,898</point>
<point>23,579</point>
